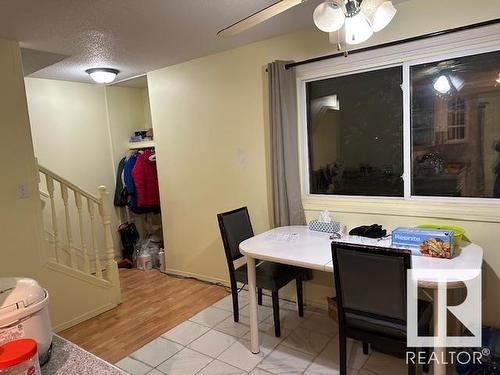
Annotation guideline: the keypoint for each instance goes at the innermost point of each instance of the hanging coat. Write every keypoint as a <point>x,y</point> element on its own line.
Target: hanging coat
<point>120,199</point>
<point>129,181</point>
<point>146,181</point>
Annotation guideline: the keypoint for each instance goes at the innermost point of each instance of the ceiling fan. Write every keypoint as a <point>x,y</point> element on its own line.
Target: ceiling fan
<point>360,17</point>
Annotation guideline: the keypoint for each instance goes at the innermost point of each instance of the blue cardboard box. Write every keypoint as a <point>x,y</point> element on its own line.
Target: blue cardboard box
<point>427,242</point>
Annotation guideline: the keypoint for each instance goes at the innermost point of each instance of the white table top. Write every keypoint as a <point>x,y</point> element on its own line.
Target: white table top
<point>294,245</point>
<point>299,246</point>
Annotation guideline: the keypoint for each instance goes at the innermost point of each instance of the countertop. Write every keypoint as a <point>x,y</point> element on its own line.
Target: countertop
<point>68,358</point>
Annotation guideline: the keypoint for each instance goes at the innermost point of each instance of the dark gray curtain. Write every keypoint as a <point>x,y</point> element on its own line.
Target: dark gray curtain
<point>287,201</point>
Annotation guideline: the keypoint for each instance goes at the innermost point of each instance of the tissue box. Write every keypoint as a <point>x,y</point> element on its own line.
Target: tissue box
<point>319,226</point>
<point>427,242</point>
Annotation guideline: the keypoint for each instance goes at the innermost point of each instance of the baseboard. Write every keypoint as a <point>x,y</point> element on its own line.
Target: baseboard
<point>319,304</point>
<point>205,278</point>
<point>83,317</point>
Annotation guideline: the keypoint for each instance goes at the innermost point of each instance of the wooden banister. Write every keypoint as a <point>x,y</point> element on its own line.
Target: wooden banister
<point>111,267</point>
<point>65,252</point>
<point>83,244</point>
<point>70,185</point>
<point>93,243</point>
<point>50,188</point>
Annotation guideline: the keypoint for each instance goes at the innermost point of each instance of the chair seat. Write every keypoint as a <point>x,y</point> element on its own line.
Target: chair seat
<point>269,275</point>
<point>387,328</point>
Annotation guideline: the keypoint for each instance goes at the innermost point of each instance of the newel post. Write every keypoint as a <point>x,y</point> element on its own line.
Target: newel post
<point>111,266</point>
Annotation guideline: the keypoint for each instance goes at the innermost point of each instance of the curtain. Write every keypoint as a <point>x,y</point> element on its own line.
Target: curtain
<point>287,200</point>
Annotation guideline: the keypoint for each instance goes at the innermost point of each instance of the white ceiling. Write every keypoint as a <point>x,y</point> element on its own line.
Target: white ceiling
<point>134,36</point>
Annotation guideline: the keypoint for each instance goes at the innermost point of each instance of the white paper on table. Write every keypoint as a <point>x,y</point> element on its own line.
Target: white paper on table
<point>286,237</point>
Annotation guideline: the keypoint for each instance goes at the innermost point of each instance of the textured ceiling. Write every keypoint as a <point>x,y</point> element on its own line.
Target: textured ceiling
<point>134,36</point>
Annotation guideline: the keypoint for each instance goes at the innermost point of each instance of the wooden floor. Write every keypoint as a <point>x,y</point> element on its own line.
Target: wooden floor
<point>152,304</point>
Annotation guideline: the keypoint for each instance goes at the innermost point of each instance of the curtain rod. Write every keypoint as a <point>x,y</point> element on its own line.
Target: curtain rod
<point>395,43</point>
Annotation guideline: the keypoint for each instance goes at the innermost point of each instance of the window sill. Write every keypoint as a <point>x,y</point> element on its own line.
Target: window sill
<point>454,209</point>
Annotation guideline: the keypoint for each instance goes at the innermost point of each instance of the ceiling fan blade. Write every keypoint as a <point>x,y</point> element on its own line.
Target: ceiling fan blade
<point>258,17</point>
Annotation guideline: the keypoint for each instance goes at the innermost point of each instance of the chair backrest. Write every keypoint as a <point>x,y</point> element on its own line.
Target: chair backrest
<point>371,281</point>
<point>235,227</point>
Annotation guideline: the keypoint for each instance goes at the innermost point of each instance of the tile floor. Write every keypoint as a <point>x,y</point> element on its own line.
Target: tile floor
<point>211,343</point>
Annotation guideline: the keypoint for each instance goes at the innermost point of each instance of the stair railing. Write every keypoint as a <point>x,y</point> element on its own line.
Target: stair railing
<point>64,247</point>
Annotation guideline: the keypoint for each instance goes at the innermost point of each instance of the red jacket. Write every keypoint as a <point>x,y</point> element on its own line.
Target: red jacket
<point>146,181</point>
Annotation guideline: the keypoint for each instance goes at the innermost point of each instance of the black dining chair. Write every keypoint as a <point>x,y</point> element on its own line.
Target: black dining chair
<point>235,227</point>
<point>370,283</point>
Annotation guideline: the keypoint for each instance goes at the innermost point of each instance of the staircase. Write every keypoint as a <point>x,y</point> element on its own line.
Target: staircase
<point>78,233</point>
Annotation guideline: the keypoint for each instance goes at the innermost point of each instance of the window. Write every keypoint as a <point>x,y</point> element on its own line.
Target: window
<point>457,101</point>
<point>355,134</point>
<point>456,119</point>
<point>425,128</point>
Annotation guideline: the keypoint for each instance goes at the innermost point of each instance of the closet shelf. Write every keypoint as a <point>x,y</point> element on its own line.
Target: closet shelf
<point>140,145</point>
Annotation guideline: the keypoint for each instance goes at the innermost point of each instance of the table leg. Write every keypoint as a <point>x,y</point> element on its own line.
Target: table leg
<point>254,328</point>
<point>439,326</point>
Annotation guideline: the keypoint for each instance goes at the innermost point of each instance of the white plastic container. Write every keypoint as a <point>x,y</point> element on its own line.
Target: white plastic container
<point>24,313</point>
<point>145,262</point>
<point>161,260</point>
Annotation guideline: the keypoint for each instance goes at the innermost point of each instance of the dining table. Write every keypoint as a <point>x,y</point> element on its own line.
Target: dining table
<point>302,247</point>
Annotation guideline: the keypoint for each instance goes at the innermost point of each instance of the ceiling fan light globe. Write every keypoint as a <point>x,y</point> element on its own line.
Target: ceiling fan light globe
<point>328,17</point>
<point>457,82</point>
<point>383,15</point>
<point>357,29</point>
<point>442,84</point>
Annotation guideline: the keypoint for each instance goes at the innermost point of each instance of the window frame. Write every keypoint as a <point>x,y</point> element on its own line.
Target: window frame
<point>406,55</point>
<point>343,74</point>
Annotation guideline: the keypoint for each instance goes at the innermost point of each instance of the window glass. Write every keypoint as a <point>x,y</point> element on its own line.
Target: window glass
<point>355,134</point>
<point>455,127</point>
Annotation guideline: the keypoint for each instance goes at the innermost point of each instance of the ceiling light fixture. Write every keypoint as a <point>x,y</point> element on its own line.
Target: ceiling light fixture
<point>457,82</point>
<point>361,17</point>
<point>447,82</point>
<point>357,26</point>
<point>381,15</point>
<point>102,75</point>
<point>442,84</point>
<point>328,17</point>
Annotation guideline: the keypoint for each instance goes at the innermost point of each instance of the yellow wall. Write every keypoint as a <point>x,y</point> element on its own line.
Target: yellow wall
<point>212,146</point>
<point>23,253</point>
<point>20,219</point>
<point>83,127</point>
<point>69,123</point>
<point>81,131</point>
<point>147,109</point>
<point>212,139</point>
<point>71,137</point>
<point>128,110</point>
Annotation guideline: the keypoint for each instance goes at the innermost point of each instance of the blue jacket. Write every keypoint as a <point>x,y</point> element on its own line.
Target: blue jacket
<point>129,181</point>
